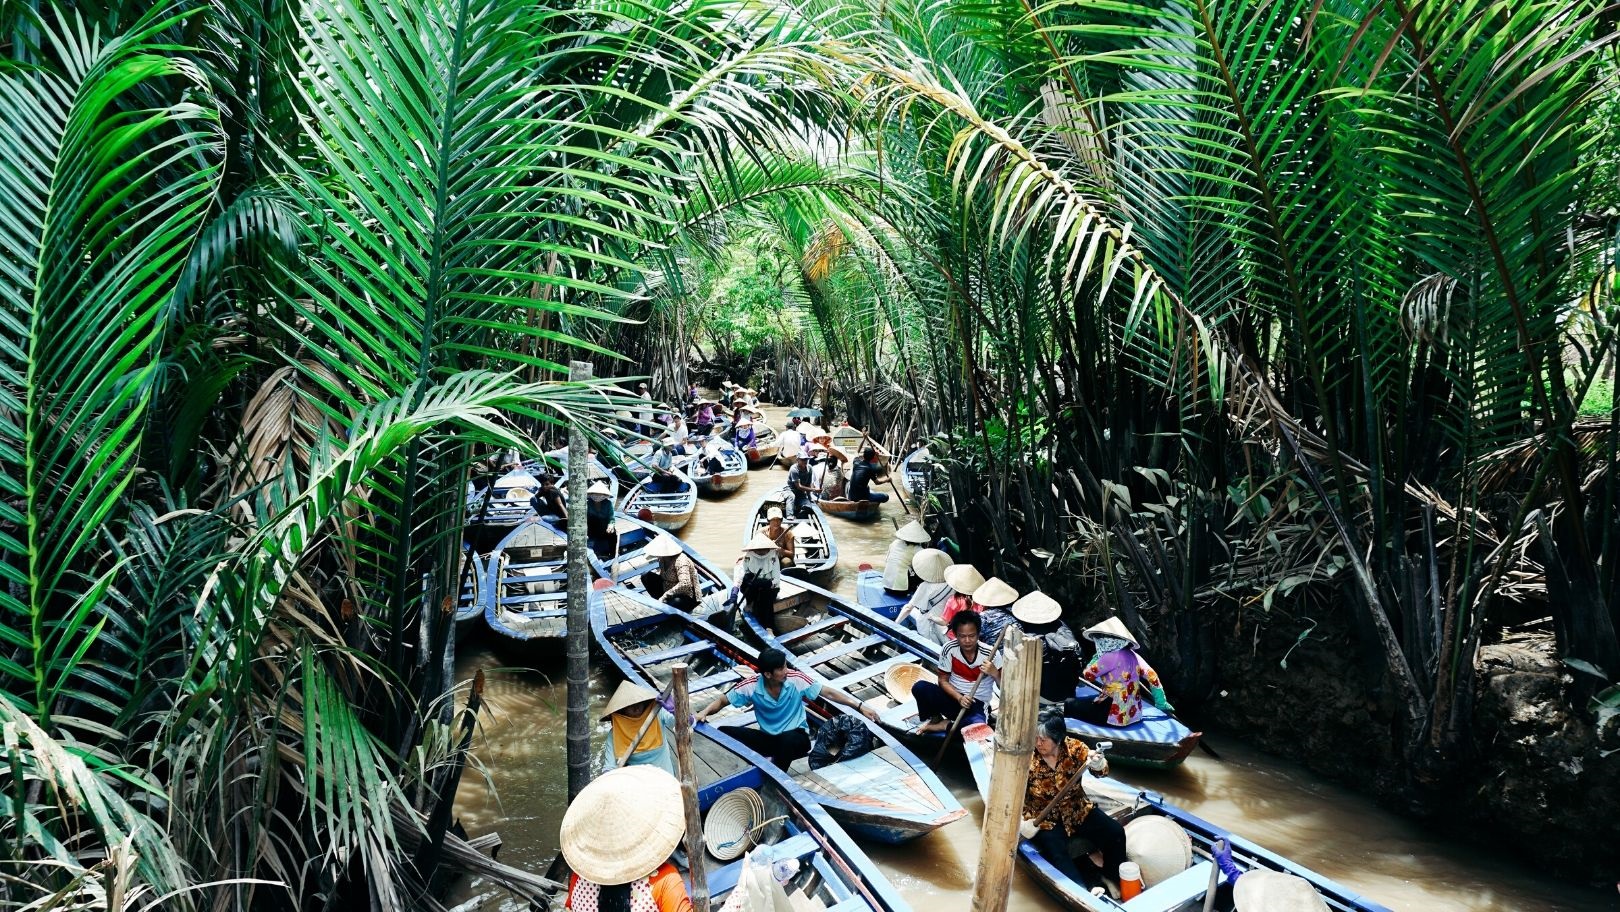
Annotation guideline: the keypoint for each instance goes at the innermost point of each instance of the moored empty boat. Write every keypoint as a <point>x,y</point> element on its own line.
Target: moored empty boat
<point>527,582</point>
<point>668,508</point>
<point>853,510</point>
<point>730,474</point>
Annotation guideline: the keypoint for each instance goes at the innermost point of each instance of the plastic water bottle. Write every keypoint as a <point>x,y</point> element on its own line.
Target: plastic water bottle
<point>1130,880</point>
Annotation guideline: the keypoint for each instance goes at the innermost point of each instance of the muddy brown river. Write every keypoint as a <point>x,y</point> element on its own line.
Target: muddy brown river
<point>519,787</point>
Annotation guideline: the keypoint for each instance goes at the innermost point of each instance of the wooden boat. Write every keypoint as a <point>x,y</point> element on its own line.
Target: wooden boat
<point>913,476</point>
<point>871,594</point>
<point>831,625</point>
<point>766,446</point>
<point>1184,891</point>
<point>505,503</point>
<point>527,579</point>
<point>637,460</point>
<point>733,472</point>
<point>852,510</point>
<point>852,439</point>
<point>886,795</point>
<point>470,580</point>
<point>668,510</point>
<point>814,548</point>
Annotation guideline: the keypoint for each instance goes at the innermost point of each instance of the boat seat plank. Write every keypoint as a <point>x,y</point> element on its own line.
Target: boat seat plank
<point>664,655</point>
<point>843,682</point>
<point>849,905</point>
<point>866,642</point>
<point>808,630</point>
<point>1174,893</point>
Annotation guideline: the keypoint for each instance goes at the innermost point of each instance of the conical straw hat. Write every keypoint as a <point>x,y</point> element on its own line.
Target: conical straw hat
<point>1274,891</point>
<point>1159,846</point>
<point>760,542</point>
<point>930,565</point>
<point>995,594</point>
<point>623,825</point>
<point>1037,608</point>
<point>913,532</point>
<point>598,488</point>
<point>728,829</point>
<point>899,678</point>
<point>663,546</point>
<point>1113,627</point>
<point>964,578</point>
<point>811,432</point>
<point>628,694</point>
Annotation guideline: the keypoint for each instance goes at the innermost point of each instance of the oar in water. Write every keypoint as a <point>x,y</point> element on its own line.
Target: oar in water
<point>962,713</point>
<point>652,716</point>
<point>1068,787</point>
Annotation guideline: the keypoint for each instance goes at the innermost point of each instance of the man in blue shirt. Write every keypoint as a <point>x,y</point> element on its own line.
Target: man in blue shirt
<point>777,696</point>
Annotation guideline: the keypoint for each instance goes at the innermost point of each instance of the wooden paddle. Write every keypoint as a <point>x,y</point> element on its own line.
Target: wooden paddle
<point>652,716</point>
<point>1068,787</point>
<point>962,713</point>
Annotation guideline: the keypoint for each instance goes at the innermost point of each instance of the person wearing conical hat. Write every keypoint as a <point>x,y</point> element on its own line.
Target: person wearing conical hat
<point>908,540</point>
<point>703,417</point>
<point>930,565</point>
<point>1120,676</point>
<point>617,837</point>
<point>994,601</point>
<point>1039,615</point>
<point>1057,759</point>
<point>625,713</point>
<point>742,430</point>
<point>599,515</point>
<point>674,580</point>
<point>964,580</point>
<point>758,576</point>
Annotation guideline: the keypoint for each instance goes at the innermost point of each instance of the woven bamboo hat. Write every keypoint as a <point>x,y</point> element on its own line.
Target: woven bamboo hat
<point>994,593</point>
<point>1160,846</point>
<point>899,678</point>
<point>760,542</point>
<point>964,578</point>
<point>1037,608</point>
<point>1273,891</point>
<point>728,829</point>
<point>623,825</point>
<point>1113,627</point>
<point>913,532</point>
<point>663,546</point>
<point>811,432</point>
<point>628,694</point>
<point>598,488</point>
<point>930,565</point>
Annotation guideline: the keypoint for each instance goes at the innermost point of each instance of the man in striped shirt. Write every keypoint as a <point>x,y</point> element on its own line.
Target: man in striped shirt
<point>777,696</point>
<point>967,675</point>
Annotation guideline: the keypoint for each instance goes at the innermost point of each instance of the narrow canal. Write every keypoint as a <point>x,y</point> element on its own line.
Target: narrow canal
<point>522,790</point>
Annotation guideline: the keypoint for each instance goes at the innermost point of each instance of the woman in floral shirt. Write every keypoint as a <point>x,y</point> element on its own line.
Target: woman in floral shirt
<point>1121,675</point>
<point>1057,759</point>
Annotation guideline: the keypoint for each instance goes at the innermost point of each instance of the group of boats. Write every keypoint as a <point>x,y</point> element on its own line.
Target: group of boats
<point>814,818</point>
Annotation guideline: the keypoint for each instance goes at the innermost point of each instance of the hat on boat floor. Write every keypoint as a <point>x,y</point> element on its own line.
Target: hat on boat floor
<point>1274,891</point>
<point>995,594</point>
<point>899,678</point>
<point>930,565</point>
<point>913,532</point>
<point>964,578</point>
<point>628,694</point>
<point>1037,608</point>
<point>623,825</point>
<point>1160,846</point>
<point>663,546</point>
<point>1113,627</point>
<point>598,488</point>
<point>760,542</point>
<point>728,828</point>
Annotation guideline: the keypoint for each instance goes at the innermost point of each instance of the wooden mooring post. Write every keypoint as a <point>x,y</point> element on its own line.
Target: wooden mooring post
<point>1009,772</point>
<point>579,581</point>
<point>689,796</point>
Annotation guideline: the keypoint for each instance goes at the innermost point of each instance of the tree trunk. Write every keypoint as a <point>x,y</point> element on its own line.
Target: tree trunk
<point>579,581</point>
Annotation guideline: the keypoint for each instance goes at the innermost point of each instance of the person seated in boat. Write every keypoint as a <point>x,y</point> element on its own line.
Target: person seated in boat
<point>929,597</point>
<point>829,471</point>
<point>742,432</point>
<point>994,600</point>
<point>618,835</point>
<point>778,531</point>
<point>758,577</point>
<point>908,540</point>
<point>675,580</point>
<point>791,443</point>
<point>1039,615</point>
<point>662,462</point>
<point>964,580</point>
<point>802,480</point>
<point>1120,674</point>
<point>866,472</point>
<point>967,674</point>
<point>777,696</point>
<point>703,417</point>
<point>599,516</point>
<point>712,455</point>
<point>548,499</point>
<point>636,717</point>
<point>678,435</point>
<point>1058,759</point>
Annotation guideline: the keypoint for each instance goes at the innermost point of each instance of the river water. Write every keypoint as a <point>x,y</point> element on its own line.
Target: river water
<point>520,786</point>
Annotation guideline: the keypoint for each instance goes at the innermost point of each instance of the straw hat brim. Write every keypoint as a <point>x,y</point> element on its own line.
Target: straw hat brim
<point>760,542</point>
<point>1159,846</point>
<point>1113,627</point>
<point>663,546</point>
<point>913,532</point>
<point>598,488</point>
<point>930,565</point>
<point>1037,608</point>
<point>728,828</point>
<point>995,594</point>
<point>1273,891</point>
<point>628,694</point>
<point>964,578</point>
<point>623,825</point>
<point>899,678</point>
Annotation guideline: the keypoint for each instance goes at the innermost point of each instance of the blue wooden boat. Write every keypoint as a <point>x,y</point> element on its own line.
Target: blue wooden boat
<point>668,510</point>
<point>886,795</point>
<point>733,472</point>
<point>814,548</point>
<point>508,501</point>
<point>833,624</point>
<point>470,580</point>
<point>527,584</point>
<point>869,592</point>
<point>1184,891</point>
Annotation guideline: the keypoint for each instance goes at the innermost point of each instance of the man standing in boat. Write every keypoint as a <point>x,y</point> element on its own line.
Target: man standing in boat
<point>777,696</point>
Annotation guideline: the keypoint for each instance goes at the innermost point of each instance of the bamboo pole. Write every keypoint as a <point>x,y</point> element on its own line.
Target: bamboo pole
<point>688,770</point>
<point>1015,741</point>
<point>579,581</point>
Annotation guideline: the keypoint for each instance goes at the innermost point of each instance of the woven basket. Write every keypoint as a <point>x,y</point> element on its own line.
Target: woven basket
<point>899,678</point>
<point>728,828</point>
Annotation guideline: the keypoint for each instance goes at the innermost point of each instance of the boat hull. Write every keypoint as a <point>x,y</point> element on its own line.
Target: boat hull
<point>668,510</point>
<point>813,554</point>
<point>852,510</point>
